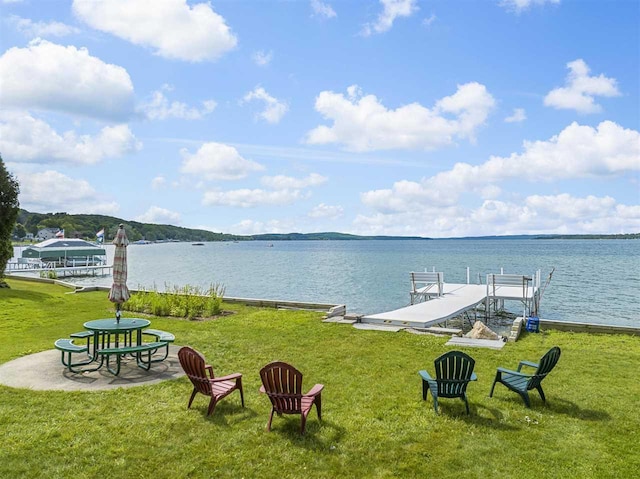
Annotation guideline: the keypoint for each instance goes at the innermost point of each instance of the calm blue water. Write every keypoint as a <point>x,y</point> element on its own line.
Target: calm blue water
<point>595,281</point>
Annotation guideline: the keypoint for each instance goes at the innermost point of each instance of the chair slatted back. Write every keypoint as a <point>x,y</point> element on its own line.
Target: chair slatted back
<point>453,373</point>
<point>193,364</point>
<point>546,364</point>
<point>283,385</point>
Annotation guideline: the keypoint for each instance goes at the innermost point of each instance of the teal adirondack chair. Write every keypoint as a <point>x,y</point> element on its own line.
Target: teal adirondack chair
<point>454,370</point>
<point>523,383</point>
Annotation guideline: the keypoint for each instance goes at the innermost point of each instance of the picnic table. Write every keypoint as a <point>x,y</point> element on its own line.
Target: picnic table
<point>114,339</point>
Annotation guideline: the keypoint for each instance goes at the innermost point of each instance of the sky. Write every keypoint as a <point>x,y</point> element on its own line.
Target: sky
<point>390,117</point>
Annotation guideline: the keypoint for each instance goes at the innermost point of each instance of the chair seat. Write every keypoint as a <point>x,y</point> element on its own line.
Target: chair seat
<point>223,387</point>
<point>282,383</point>
<point>515,381</point>
<point>204,382</point>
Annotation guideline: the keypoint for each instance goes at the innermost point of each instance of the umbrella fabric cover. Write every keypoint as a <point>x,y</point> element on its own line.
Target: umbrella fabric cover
<point>119,292</point>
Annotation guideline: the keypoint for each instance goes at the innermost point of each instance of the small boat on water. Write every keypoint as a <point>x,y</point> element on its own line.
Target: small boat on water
<point>197,244</point>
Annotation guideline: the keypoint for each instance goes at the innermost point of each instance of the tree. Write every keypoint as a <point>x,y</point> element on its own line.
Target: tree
<point>9,207</point>
<point>19,231</point>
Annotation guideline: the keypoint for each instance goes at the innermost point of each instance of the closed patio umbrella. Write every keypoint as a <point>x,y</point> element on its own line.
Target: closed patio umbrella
<point>119,292</point>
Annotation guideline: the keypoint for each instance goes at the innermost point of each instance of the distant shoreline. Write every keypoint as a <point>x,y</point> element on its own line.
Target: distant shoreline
<point>84,226</point>
<point>348,237</point>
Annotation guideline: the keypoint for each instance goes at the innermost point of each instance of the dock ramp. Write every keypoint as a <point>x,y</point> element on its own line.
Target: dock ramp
<point>455,300</point>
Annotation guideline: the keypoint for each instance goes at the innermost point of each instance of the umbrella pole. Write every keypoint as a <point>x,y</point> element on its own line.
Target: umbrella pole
<point>118,313</point>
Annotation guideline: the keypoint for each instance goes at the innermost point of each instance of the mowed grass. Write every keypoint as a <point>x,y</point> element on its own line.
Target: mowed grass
<point>375,424</point>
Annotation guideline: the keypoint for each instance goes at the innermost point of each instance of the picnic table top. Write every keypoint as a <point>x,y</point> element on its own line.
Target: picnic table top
<point>125,324</point>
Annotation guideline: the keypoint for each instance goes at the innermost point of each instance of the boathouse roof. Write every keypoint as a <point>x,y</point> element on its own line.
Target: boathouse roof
<point>63,247</point>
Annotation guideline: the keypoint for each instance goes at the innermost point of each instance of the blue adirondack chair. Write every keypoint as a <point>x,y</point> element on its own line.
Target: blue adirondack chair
<point>523,383</point>
<point>454,370</point>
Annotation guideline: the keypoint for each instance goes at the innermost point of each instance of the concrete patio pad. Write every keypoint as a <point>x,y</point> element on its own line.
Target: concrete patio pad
<point>44,372</point>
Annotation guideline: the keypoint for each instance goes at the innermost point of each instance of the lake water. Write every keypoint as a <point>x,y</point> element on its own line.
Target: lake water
<point>595,281</point>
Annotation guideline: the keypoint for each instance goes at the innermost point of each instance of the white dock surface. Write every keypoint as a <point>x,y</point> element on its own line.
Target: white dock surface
<point>457,298</point>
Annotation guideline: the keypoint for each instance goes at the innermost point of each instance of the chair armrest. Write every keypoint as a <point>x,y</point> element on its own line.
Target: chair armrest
<point>527,363</point>
<point>262,390</point>
<point>473,377</point>
<point>425,375</point>
<point>210,369</point>
<point>227,377</point>
<point>515,373</point>
<point>315,390</point>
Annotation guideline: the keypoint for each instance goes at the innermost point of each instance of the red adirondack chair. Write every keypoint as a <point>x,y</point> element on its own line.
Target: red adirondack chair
<point>282,383</point>
<point>196,369</point>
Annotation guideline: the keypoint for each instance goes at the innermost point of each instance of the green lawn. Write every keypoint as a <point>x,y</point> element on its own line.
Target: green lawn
<point>375,423</point>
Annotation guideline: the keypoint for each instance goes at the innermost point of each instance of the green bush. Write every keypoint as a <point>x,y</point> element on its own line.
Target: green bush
<point>180,301</point>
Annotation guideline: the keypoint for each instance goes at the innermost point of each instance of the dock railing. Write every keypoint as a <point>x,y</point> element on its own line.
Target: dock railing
<point>425,285</point>
<point>528,287</point>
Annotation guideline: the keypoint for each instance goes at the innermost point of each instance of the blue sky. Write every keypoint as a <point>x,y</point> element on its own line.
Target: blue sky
<point>397,117</point>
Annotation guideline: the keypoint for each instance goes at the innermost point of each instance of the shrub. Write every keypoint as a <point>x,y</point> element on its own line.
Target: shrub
<point>180,301</point>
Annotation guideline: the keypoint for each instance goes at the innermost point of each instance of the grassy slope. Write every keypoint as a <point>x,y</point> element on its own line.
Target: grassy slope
<point>375,422</point>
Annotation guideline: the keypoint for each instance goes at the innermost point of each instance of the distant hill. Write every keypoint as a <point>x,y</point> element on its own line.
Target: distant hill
<point>328,236</point>
<point>548,237</point>
<point>86,226</point>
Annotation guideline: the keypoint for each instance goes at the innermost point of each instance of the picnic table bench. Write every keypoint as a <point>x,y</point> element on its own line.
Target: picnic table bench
<point>66,346</point>
<point>149,348</point>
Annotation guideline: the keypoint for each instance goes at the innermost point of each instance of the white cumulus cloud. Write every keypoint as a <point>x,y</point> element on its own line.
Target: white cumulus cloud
<point>391,9</point>
<point>550,214</point>
<point>48,76</point>
<point>160,108</point>
<point>53,191</point>
<point>217,161</point>
<point>33,29</point>
<point>274,109</point>
<point>517,116</point>
<point>326,211</point>
<point>322,9</point>
<point>253,227</point>
<point>363,123</point>
<point>24,138</point>
<point>428,21</point>
<point>281,182</point>
<point>158,182</point>
<point>250,198</point>
<point>581,89</point>
<point>519,6</point>
<point>576,152</point>
<point>158,215</point>
<point>171,28</point>
<point>262,58</point>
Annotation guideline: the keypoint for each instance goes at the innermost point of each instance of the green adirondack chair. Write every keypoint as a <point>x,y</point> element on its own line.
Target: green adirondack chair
<point>523,383</point>
<point>454,370</point>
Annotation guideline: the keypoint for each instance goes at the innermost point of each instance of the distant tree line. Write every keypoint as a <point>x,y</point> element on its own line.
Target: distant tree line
<point>86,226</point>
<point>617,236</point>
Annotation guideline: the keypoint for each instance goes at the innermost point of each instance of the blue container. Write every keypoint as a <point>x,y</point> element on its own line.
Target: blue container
<point>533,324</point>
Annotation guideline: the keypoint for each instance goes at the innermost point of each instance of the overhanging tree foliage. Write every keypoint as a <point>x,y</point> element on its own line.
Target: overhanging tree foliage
<point>9,206</point>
